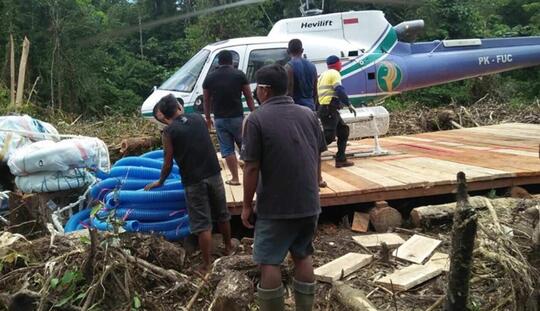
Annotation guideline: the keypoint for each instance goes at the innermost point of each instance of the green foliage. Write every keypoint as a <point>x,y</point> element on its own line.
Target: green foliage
<point>87,63</point>
<point>69,286</point>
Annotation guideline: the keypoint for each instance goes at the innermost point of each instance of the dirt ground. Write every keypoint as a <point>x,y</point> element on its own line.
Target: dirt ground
<point>68,270</point>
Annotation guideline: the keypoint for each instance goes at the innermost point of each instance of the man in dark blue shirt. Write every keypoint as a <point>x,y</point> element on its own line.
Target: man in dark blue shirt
<point>302,77</point>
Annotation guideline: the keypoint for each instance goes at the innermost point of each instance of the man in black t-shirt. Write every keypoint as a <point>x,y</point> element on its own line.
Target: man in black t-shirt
<point>223,90</point>
<point>187,141</point>
<point>282,146</point>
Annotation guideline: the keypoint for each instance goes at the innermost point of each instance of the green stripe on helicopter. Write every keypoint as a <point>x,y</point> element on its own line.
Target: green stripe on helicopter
<point>378,52</point>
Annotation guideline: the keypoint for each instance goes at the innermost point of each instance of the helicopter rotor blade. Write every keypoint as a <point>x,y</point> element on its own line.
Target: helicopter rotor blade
<point>388,2</point>
<point>155,23</point>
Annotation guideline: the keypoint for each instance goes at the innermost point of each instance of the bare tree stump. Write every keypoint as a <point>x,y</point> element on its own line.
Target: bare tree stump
<point>463,236</point>
<point>384,217</point>
<point>233,293</point>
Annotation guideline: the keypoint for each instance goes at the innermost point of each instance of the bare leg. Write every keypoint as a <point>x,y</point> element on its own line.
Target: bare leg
<point>303,269</point>
<point>225,230</point>
<point>232,164</point>
<point>205,243</point>
<point>270,276</point>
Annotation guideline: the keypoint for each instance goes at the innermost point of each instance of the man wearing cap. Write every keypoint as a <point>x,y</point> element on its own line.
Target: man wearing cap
<point>281,148</point>
<point>332,97</point>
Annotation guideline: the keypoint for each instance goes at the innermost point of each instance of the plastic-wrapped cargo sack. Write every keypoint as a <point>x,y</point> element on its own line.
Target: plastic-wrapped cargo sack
<point>18,131</point>
<point>48,156</point>
<point>54,181</point>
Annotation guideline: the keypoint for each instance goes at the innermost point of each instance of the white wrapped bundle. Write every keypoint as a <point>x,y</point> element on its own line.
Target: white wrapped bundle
<point>48,156</point>
<point>54,181</point>
<point>18,131</point>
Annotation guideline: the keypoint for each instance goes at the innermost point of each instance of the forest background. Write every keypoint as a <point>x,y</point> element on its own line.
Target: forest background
<point>81,62</point>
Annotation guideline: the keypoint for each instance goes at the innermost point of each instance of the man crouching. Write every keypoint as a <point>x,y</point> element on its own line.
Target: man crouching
<point>281,149</point>
<point>187,141</point>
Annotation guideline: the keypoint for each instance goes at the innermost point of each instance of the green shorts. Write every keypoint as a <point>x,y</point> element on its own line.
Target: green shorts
<point>275,237</point>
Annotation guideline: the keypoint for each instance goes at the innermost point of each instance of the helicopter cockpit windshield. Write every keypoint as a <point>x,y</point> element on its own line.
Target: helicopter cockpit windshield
<point>185,78</point>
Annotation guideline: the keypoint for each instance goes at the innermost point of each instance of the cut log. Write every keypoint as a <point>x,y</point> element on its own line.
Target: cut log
<point>233,293</point>
<point>375,240</point>
<point>385,217</point>
<point>520,193</point>
<point>408,277</point>
<point>424,216</point>
<point>341,267</point>
<point>416,249</point>
<point>130,146</point>
<point>352,298</point>
<point>360,222</point>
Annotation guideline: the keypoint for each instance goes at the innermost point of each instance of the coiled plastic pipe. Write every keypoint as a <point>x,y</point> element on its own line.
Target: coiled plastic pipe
<point>164,225</point>
<point>156,154</point>
<point>131,196</point>
<point>145,215</point>
<point>162,206</point>
<point>131,172</point>
<point>144,162</point>
<point>103,225</point>
<point>76,219</point>
<point>101,189</point>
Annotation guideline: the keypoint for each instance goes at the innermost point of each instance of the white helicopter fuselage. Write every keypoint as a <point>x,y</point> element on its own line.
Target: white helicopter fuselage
<point>348,35</point>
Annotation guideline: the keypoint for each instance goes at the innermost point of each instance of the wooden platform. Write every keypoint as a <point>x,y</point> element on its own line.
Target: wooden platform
<point>426,164</point>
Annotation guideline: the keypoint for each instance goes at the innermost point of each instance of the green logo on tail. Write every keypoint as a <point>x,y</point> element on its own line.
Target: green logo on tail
<point>388,76</point>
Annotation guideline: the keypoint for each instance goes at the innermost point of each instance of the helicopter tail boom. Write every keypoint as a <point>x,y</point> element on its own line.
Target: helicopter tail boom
<point>455,60</point>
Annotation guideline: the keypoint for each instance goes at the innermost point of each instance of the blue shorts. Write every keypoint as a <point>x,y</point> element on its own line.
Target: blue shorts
<point>229,132</point>
<point>275,237</point>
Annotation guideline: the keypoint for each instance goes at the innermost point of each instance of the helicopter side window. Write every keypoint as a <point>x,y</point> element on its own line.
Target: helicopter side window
<point>261,58</point>
<point>236,61</point>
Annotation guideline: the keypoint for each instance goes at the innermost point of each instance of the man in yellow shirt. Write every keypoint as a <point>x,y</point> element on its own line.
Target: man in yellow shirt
<point>332,97</point>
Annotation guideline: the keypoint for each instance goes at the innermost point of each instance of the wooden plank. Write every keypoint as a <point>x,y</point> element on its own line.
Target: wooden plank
<point>375,177</point>
<point>517,152</point>
<point>339,186</point>
<point>408,277</point>
<point>341,267</point>
<point>440,260</point>
<point>375,240</point>
<point>348,177</point>
<point>416,249</point>
<point>360,222</point>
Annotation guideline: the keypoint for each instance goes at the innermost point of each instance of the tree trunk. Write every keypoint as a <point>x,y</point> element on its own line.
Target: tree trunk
<point>441,213</point>
<point>134,145</point>
<point>22,72</point>
<point>463,236</point>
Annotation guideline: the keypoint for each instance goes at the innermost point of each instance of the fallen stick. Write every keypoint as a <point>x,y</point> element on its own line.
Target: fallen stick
<point>199,289</point>
<point>437,303</point>
<point>352,298</point>
<point>169,274</point>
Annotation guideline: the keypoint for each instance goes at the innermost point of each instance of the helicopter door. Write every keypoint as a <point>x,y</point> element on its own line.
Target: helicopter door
<point>262,56</point>
<point>237,53</point>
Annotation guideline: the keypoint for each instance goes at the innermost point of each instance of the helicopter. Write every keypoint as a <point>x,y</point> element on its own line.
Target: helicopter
<point>380,60</point>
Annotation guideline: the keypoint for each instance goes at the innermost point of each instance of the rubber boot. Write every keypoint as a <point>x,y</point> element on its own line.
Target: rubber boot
<point>304,295</point>
<point>271,299</point>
